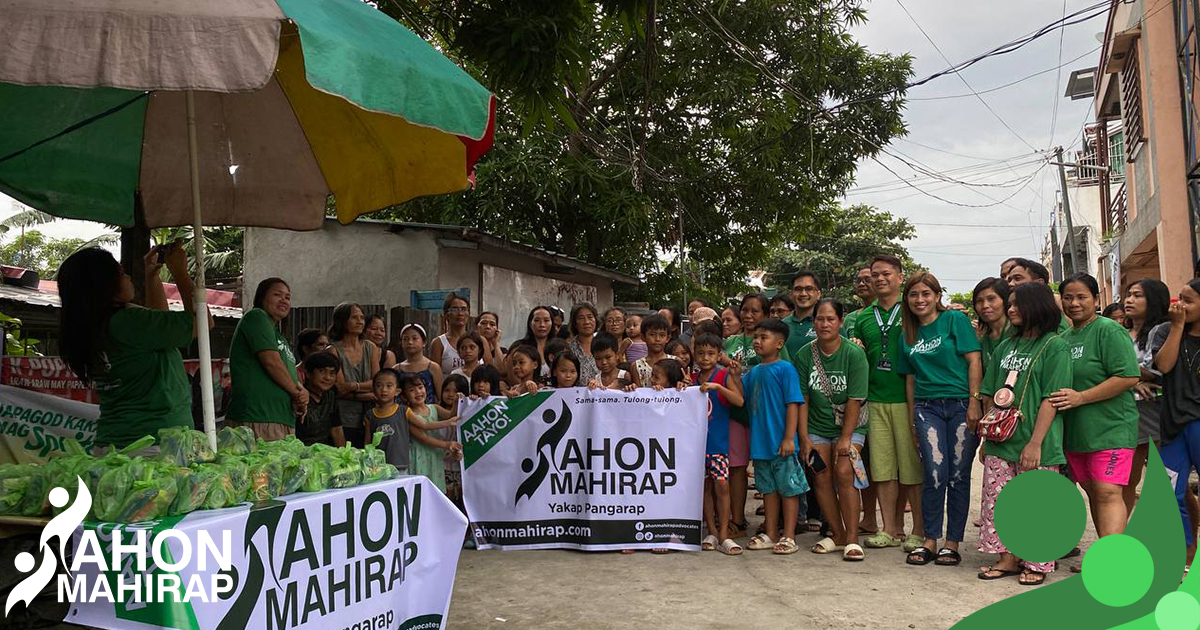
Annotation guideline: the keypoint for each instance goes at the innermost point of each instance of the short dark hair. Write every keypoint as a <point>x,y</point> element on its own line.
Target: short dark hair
<point>322,361</point>
<point>787,301</point>
<point>578,308</point>
<point>407,380</point>
<point>1113,308</point>
<point>674,311</point>
<point>888,259</point>
<point>1039,312</point>
<point>553,348</point>
<point>307,337</point>
<point>774,325</point>
<point>387,371</point>
<point>473,337</point>
<point>839,309</point>
<point>763,302</point>
<point>460,382</point>
<point>655,322</point>
<point>673,370</point>
<point>453,297</point>
<point>487,373</point>
<point>675,343</point>
<point>604,341</point>
<point>1035,269</point>
<point>708,326</point>
<point>528,351</point>
<point>260,293</point>
<point>565,356</point>
<point>708,340</point>
<point>805,274</point>
<point>1086,280</point>
<point>996,284</point>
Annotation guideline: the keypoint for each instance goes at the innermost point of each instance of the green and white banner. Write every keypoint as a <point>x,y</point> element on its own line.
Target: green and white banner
<point>33,425</point>
<point>374,557</point>
<point>581,469</point>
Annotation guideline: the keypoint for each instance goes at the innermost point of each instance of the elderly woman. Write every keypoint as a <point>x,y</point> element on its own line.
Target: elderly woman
<point>129,353</point>
<point>584,320</point>
<point>267,395</point>
<point>360,362</point>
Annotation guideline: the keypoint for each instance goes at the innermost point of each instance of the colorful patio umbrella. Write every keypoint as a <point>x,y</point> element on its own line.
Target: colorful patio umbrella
<point>260,108</point>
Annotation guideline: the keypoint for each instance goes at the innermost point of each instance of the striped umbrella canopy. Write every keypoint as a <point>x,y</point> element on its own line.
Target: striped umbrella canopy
<point>228,112</point>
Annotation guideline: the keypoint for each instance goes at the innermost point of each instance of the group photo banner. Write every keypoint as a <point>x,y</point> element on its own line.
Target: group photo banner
<point>375,557</point>
<point>585,469</point>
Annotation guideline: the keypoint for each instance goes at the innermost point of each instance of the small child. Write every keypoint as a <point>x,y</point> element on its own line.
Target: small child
<point>425,454</point>
<point>773,399</point>
<point>470,349</point>
<point>554,347</point>
<point>683,354</point>
<point>415,363</point>
<point>524,365</point>
<point>485,382</point>
<point>388,417</point>
<point>455,387</point>
<point>321,422</point>
<point>606,352</point>
<point>657,332</point>
<point>633,332</point>
<point>724,390</point>
<point>666,374</point>
<point>564,373</point>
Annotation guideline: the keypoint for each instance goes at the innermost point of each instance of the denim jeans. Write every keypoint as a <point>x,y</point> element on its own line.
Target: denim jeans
<point>947,455</point>
<point>1180,456</point>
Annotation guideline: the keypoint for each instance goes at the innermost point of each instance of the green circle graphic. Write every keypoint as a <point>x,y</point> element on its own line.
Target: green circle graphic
<point>1118,570</point>
<point>1177,611</point>
<point>1040,516</point>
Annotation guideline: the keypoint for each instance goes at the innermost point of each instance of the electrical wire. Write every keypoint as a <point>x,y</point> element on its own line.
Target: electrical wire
<point>1009,84</point>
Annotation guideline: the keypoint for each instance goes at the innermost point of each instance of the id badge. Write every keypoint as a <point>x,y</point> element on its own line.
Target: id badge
<point>884,365</point>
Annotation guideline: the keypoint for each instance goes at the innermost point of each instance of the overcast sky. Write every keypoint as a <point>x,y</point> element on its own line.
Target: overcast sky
<point>958,255</point>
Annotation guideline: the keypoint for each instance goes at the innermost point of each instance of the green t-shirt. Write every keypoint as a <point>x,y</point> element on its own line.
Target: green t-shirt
<point>848,322</point>
<point>887,386</point>
<point>800,332</point>
<point>1064,324</point>
<point>1050,373</point>
<point>256,397</point>
<point>139,375</point>
<point>740,348</point>
<point>987,345</point>
<point>847,372</point>
<point>937,360</point>
<point>1100,350</point>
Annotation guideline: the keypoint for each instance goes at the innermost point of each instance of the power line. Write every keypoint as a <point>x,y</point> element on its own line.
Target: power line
<point>1009,84</point>
<point>1057,81</point>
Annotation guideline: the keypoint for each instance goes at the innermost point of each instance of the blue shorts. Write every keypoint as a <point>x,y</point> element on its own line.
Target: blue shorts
<point>780,475</point>
<point>855,438</point>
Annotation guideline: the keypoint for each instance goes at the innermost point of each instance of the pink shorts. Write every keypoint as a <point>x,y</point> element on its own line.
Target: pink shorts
<point>739,444</point>
<point>1109,466</point>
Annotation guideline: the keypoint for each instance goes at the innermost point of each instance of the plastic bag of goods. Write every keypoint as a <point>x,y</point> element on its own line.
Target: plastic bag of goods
<point>14,482</point>
<point>110,461</point>
<point>65,472</point>
<point>221,492</point>
<point>288,444</point>
<point>183,447</point>
<point>152,490</point>
<point>293,469</point>
<point>192,487</point>
<point>374,462</point>
<point>346,464</point>
<point>236,440</point>
<point>266,477</point>
<point>318,471</point>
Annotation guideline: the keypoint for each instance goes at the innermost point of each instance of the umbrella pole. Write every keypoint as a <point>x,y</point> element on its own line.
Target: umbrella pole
<point>200,299</point>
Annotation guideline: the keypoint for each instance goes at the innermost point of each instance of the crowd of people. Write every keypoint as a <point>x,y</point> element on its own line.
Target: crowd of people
<point>844,419</point>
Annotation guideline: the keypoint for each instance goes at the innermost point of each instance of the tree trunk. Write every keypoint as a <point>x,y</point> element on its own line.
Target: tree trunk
<point>135,244</point>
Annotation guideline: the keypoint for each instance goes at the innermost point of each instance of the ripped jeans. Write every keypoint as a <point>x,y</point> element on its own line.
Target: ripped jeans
<point>947,455</point>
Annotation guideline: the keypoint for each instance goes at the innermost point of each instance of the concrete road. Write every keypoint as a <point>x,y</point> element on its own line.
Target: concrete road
<point>567,589</point>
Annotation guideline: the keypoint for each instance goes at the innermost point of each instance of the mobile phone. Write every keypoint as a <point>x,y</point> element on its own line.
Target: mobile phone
<point>815,463</point>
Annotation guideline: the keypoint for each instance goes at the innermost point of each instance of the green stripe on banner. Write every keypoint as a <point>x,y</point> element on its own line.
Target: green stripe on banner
<point>489,425</point>
<point>424,622</point>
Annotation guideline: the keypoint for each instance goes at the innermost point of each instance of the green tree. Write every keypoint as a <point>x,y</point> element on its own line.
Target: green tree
<point>844,241</point>
<point>36,251</point>
<point>963,298</point>
<point>618,118</point>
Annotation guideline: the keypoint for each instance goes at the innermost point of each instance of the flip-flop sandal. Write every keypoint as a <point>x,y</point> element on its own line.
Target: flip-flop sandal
<point>785,546</point>
<point>730,548</point>
<point>853,553</point>
<point>947,557</point>
<point>826,546</point>
<point>660,551</point>
<point>881,540</point>
<point>920,556</point>
<point>983,575</point>
<point>758,496</point>
<point>760,542</point>
<point>709,543</point>
<point>1037,581</point>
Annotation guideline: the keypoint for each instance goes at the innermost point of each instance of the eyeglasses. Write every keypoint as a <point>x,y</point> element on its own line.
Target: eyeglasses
<point>805,290</point>
<point>457,309</point>
<point>614,320</point>
<point>862,281</point>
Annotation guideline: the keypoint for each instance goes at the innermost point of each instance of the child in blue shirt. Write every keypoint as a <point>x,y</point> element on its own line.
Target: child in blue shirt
<point>773,399</point>
<point>724,389</point>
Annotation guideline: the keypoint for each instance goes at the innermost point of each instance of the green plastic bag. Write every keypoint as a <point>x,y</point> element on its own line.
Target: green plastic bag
<point>239,475</point>
<point>236,440</point>
<point>347,467</point>
<point>152,490</point>
<point>374,462</point>
<point>192,487</point>
<point>14,482</point>
<point>266,477</point>
<point>109,462</point>
<point>221,493</point>
<point>293,470</point>
<point>65,472</point>
<point>317,474</point>
<point>183,447</point>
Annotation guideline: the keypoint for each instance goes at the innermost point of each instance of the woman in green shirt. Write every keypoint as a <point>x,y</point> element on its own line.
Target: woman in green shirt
<point>267,395</point>
<point>1101,416</point>
<point>939,356</point>
<point>844,365</point>
<point>128,353</point>
<point>990,301</point>
<point>1027,368</point>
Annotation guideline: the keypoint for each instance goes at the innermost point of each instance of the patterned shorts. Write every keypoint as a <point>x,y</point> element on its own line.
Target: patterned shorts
<point>717,467</point>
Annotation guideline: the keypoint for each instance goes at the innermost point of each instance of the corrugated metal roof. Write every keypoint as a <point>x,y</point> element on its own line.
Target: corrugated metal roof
<point>43,299</point>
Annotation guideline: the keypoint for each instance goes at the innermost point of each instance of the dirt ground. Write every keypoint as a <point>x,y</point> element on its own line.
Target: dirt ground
<point>567,589</point>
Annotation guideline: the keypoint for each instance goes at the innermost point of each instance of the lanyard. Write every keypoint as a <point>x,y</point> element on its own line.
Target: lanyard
<point>884,329</point>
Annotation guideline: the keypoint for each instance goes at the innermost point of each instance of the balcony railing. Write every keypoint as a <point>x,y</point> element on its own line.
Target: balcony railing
<point>1118,213</point>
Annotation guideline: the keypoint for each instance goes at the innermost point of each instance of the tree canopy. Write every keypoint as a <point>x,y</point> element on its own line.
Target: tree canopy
<point>36,251</point>
<point>619,118</point>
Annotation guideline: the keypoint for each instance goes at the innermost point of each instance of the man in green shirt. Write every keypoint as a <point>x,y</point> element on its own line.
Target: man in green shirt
<point>806,292</point>
<point>865,293</point>
<point>895,467</point>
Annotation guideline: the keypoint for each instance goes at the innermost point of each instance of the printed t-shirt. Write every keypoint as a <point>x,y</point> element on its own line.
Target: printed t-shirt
<point>937,360</point>
<point>800,332</point>
<point>718,417</point>
<point>319,419</point>
<point>769,388</point>
<point>848,374</point>
<point>256,397</point>
<point>1050,373</point>
<point>1181,386</point>
<point>139,375</point>
<point>987,345</point>
<point>1100,350</point>
<point>885,386</point>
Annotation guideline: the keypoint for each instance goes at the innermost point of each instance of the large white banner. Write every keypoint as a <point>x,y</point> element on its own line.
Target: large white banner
<point>375,557</point>
<point>581,469</point>
<point>33,425</point>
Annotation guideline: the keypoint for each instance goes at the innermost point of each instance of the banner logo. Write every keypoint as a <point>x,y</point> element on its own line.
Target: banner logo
<point>60,527</point>
<point>550,438</point>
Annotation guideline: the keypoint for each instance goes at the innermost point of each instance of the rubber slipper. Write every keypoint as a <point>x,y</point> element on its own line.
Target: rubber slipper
<point>760,542</point>
<point>920,556</point>
<point>947,557</point>
<point>983,575</point>
<point>881,540</point>
<point>709,543</point>
<point>912,542</point>
<point>730,548</point>
<point>826,546</point>
<point>785,546</point>
<point>1039,580</point>
<point>853,553</point>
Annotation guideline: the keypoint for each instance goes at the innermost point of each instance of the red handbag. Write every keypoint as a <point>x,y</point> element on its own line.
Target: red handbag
<point>999,424</point>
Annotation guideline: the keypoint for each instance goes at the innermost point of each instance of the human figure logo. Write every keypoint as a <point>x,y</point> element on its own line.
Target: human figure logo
<point>551,438</point>
<point>60,527</point>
